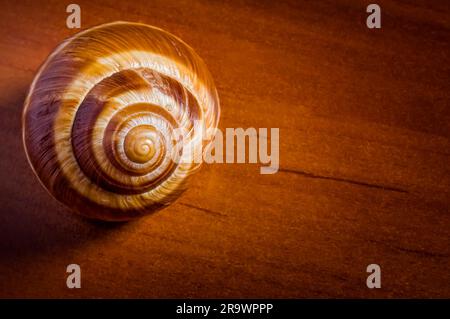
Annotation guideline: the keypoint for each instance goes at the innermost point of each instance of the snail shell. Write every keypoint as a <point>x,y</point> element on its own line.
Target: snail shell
<point>100,113</point>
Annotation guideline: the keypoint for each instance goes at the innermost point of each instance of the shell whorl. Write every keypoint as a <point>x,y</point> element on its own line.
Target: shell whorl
<point>100,115</point>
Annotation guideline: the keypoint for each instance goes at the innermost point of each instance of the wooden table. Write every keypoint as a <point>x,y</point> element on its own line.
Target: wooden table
<point>364,148</point>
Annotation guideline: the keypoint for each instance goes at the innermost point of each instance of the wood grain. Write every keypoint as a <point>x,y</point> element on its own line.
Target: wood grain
<point>364,149</point>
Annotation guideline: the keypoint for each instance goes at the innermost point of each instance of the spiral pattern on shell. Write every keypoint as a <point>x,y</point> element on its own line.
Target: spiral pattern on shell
<point>100,115</point>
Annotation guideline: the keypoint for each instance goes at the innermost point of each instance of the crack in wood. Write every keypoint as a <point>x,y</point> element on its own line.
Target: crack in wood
<point>209,211</point>
<point>417,252</point>
<point>343,180</point>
